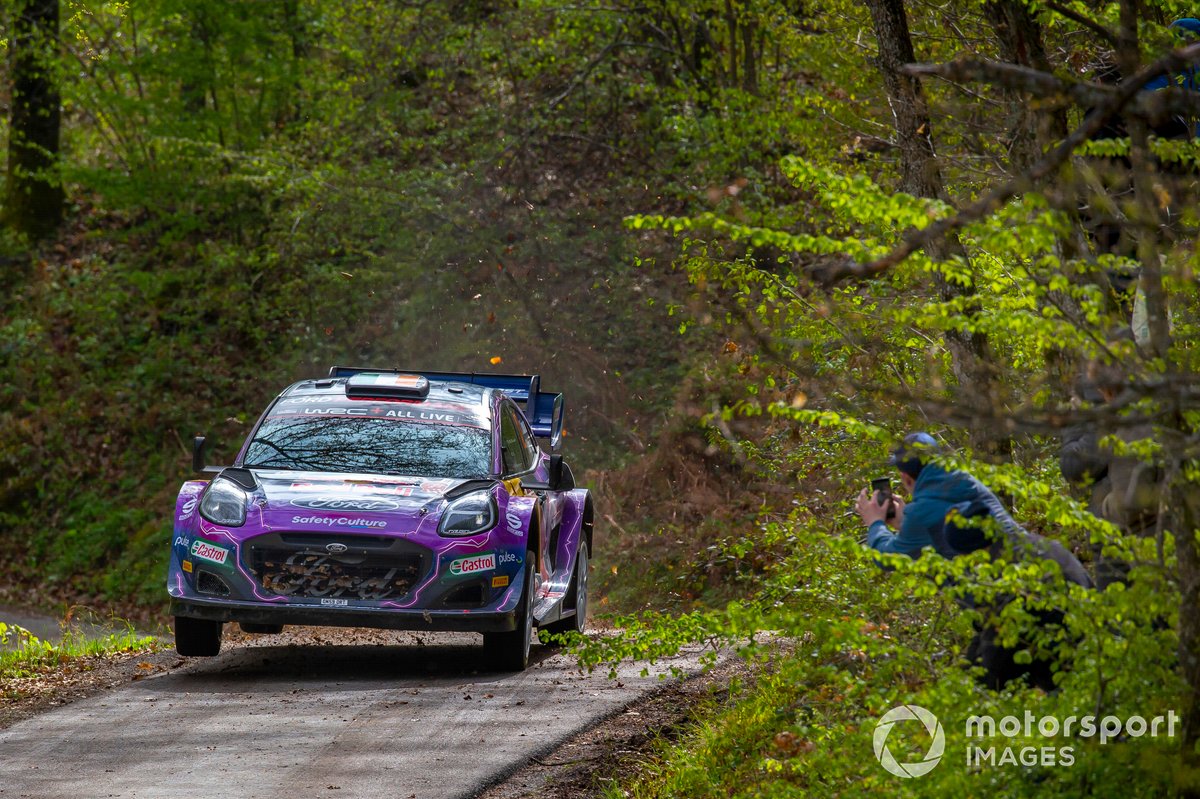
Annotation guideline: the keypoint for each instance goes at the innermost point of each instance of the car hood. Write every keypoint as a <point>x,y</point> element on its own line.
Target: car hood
<point>318,490</point>
<point>347,503</point>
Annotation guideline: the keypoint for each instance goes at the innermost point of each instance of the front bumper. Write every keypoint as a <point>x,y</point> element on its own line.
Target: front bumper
<point>386,582</point>
<point>382,618</point>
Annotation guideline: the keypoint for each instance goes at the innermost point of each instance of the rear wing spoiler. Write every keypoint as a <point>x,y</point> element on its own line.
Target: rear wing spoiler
<point>543,409</point>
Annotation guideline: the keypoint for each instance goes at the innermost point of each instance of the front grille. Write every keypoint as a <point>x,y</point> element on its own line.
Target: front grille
<point>302,565</point>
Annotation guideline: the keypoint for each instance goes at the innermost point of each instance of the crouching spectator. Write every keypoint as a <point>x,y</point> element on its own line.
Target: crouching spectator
<point>933,491</point>
<point>945,512</point>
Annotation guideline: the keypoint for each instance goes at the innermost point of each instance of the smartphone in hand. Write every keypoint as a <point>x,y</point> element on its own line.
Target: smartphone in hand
<point>883,485</point>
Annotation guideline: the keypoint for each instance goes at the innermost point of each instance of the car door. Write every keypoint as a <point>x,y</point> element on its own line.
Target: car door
<point>553,501</point>
<point>516,463</point>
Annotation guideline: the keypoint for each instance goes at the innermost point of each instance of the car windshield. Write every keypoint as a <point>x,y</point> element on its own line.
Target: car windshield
<point>373,446</point>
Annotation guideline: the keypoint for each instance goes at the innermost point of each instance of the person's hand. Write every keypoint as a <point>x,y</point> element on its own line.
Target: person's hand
<point>869,509</point>
<point>898,504</point>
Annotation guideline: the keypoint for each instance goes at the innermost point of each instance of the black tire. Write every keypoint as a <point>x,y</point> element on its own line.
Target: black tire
<point>577,597</point>
<point>197,638</point>
<point>510,651</point>
<point>260,629</point>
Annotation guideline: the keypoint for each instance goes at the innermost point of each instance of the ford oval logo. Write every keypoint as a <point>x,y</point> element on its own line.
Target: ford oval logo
<point>336,548</point>
<point>346,504</point>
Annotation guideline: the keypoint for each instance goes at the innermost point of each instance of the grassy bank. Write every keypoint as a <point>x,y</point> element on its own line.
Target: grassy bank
<point>859,642</point>
<point>24,658</point>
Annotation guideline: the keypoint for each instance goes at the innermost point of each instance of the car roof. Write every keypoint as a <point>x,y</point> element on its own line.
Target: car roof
<point>474,404</point>
<point>446,390</point>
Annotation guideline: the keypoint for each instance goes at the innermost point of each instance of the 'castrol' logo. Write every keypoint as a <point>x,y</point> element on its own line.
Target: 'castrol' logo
<point>210,552</point>
<point>479,563</point>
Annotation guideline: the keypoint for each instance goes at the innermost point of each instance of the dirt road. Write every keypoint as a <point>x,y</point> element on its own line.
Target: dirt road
<point>371,714</point>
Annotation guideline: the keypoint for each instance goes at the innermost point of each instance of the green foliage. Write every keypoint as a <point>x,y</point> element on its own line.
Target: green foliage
<point>828,376</point>
<point>806,728</point>
<point>849,641</point>
<point>262,194</point>
<point>31,655</point>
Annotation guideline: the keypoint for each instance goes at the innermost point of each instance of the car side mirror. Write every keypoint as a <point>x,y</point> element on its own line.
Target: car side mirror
<point>198,454</point>
<point>198,465</point>
<point>560,478</point>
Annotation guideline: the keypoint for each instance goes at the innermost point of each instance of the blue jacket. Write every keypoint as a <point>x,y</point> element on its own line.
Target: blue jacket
<point>935,492</point>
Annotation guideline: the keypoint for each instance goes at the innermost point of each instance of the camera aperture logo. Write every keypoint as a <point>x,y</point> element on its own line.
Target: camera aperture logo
<point>932,726</point>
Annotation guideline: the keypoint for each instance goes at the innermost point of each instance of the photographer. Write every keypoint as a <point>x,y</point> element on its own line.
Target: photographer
<point>945,513</point>
<point>935,493</point>
<point>933,490</point>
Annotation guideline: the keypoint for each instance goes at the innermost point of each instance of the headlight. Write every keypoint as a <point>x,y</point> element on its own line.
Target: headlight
<point>469,515</point>
<point>224,504</point>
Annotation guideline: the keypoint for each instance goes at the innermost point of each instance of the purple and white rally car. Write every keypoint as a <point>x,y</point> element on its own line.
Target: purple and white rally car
<point>377,498</point>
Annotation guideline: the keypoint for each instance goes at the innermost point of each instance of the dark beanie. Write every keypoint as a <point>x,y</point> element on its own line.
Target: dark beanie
<point>913,452</point>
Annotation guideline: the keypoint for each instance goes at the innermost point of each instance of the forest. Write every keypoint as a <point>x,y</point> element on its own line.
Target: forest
<point>756,242</point>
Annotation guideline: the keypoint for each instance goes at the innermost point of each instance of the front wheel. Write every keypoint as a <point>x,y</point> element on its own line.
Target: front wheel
<point>577,597</point>
<point>510,651</point>
<point>197,637</point>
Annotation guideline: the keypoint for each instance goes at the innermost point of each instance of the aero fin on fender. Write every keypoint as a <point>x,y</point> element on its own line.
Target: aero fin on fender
<point>243,477</point>
<point>478,484</point>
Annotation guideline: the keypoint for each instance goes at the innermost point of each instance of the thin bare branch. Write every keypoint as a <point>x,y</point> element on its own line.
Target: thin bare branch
<point>1154,106</point>
<point>586,72</point>
<point>1091,24</point>
<point>918,238</point>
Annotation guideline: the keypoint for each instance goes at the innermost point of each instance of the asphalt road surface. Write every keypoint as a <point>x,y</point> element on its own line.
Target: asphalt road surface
<point>339,714</point>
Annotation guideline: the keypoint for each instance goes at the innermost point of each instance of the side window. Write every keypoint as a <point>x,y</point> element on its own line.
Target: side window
<point>528,442</point>
<point>510,440</point>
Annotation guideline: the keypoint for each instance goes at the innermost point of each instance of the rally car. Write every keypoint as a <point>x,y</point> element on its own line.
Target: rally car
<point>400,500</point>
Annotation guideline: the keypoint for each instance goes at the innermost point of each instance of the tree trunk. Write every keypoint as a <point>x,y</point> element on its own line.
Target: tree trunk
<point>921,176</point>
<point>732,24</point>
<point>919,172</point>
<point>295,29</point>
<point>1020,42</point>
<point>33,202</point>
<point>1182,516</point>
<point>1187,525</point>
<point>1146,205</point>
<point>749,67</point>
<point>296,32</point>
